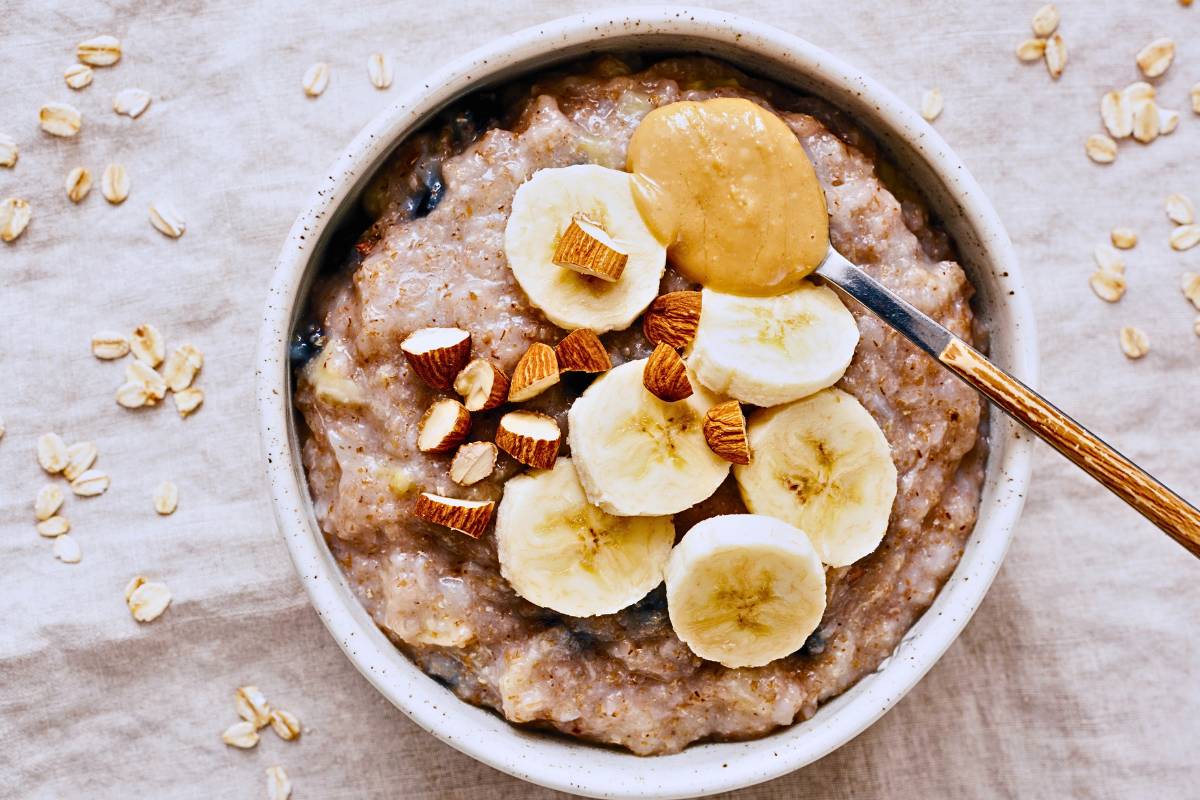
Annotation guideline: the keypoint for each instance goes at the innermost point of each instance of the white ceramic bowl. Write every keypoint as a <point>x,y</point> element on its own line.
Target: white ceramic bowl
<point>986,254</point>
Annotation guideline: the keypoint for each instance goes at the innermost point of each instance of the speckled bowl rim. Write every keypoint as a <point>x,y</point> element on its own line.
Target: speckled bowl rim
<point>557,762</point>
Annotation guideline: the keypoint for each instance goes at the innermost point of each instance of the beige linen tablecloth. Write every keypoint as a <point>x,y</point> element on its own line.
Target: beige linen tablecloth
<point>1078,677</point>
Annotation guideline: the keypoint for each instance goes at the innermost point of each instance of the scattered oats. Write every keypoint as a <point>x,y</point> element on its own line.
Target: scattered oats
<point>1195,107</point>
<point>1031,49</point>
<point>79,183</point>
<point>80,457</point>
<point>14,217</point>
<point>1185,237</point>
<point>1196,326</point>
<point>9,151</point>
<point>1134,342</point>
<point>99,51</point>
<point>78,76</point>
<point>285,724</point>
<point>1154,59</point>
<point>188,400</point>
<point>166,220</point>
<point>316,78</point>
<point>1168,121</point>
<point>1189,284</point>
<point>115,184</point>
<point>147,600</point>
<point>1116,110</point>
<point>2,428</point>
<point>53,526</point>
<point>134,583</point>
<point>147,344</point>
<point>49,500</point>
<point>1056,55</point>
<point>1138,91</point>
<point>1180,209</point>
<point>140,372</point>
<point>1108,286</point>
<point>240,734</point>
<point>91,483</point>
<point>1145,121</point>
<point>66,550</point>
<point>131,102</point>
<point>932,104</point>
<point>1108,259</point>
<point>132,394</point>
<point>182,366</point>
<point>278,785</point>
<point>1100,148</point>
<point>252,706</point>
<point>52,452</point>
<point>166,498</point>
<point>1124,238</point>
<point>60,119</point>
<point>1045,20</point>
<point>379,69</point>
<point>109,345</point>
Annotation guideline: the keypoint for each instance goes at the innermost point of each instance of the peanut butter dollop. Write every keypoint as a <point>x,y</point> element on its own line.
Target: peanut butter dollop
<point>726,184</point>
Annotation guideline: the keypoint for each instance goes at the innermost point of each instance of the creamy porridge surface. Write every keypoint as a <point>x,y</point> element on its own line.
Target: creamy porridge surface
<point>434,257</point>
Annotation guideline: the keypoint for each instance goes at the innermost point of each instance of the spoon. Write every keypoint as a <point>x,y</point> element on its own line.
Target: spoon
<point>1170,512</point>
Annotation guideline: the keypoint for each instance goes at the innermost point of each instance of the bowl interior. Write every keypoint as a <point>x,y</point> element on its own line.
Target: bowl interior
<point>1000,303</point>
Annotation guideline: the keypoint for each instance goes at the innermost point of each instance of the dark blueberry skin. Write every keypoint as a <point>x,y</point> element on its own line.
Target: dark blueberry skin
<point>306,343</point>
<point>434,189</point>
<point>814,645</point>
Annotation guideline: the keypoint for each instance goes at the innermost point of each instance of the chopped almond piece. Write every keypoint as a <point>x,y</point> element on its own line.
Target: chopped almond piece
<point>437,355</point>
<point>665,375</point>
<point>672,319</point>
<point>536,372</point>
<point>587,249</point>
<point>465,516</point>
<point>725,432</point>
<point>482,384</point>
<point>530,438</point>
<point>443,427</point>
<point>473,462</point>
<point>582,351</point>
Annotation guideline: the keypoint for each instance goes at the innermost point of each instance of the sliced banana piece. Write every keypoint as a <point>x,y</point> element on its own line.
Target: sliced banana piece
<point>559,551</point>
<point>542,210</point>
<point>823,465</point>
<point>744,589</point>
<point>637,455</point>
<point>771,350</point>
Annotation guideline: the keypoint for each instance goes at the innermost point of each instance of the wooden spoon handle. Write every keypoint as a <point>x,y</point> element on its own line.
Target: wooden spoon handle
<point>1177,518</point>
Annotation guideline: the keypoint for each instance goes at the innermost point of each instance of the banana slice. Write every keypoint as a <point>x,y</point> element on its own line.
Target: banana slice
<point>637,455</point>
<point>558,551</point>
<point>744,589</point>
<point>542,210</point>
<point>823,465</point>
<point>771,350</point>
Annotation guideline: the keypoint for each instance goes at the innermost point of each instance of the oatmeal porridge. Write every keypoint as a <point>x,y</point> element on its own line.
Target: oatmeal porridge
<point>404,480</point>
